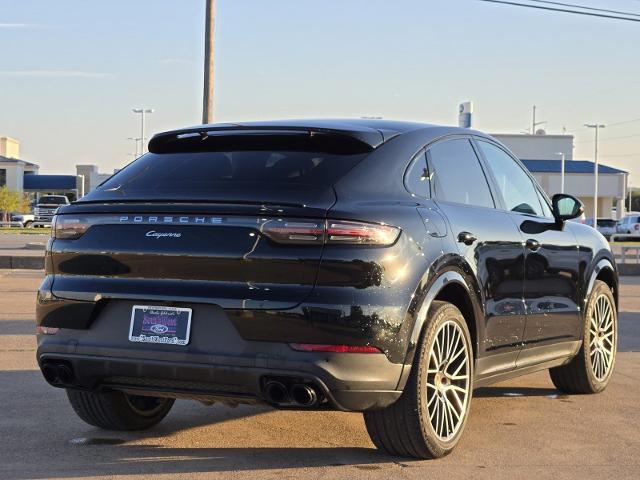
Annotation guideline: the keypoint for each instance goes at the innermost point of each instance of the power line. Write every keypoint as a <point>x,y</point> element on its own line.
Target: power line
<point>623,123</point>
<point>563,10</point>
<point>582,7</point>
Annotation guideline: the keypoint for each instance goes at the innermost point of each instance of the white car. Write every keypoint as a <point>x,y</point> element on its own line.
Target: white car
<point>606,226</point>
<point>25,219</point>
<point>629,225</point>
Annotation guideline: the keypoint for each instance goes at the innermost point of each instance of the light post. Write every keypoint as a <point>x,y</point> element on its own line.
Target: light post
<point>135,141</point>
<point>142,112</point>
<point>561,171</point>
<point>597,127</point>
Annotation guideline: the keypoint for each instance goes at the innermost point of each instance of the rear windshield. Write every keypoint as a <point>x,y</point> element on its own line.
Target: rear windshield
<point>606,222</point>
<point>53,200</point>
<point>202,174</point>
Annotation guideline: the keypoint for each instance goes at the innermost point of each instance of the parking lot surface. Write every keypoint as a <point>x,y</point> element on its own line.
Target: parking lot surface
<point>522,428</point>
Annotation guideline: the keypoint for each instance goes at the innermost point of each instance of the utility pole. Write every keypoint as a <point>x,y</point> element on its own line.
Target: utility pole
<point>209,36</point>
<point>597,127</point>
<point>535,124</point>
<point>561,172</point>
<point>142,112</point>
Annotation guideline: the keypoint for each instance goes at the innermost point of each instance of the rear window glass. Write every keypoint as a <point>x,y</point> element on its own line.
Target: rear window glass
<point>53,200</point>
<point>201,174</point>
<point>606,222</point>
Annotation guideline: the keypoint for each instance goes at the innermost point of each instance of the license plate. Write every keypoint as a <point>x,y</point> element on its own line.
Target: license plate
<point>154,324</point>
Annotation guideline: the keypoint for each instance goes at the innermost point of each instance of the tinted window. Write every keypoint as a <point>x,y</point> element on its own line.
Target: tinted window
<point>456,174</point>
<point>518,191</point>
<point>417,177</point>
<point>202,174</point>
<point>3,177</point>
<point>53,200</point>
<point>606,222</point>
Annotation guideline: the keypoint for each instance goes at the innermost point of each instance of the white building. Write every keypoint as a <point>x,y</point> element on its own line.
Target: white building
<point>541,154</point>
<point>12,169</point>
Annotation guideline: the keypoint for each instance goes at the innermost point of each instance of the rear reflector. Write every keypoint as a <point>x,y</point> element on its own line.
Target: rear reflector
<point>316,347</point>
<point>46,330</point>
<point>330,231</point>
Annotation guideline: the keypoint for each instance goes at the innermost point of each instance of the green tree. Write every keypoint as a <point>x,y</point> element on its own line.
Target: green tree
<point>10,202</point>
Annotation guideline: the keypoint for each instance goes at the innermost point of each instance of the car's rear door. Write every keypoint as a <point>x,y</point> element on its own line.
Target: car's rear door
<point>489,244</point>
<point>551,290</point>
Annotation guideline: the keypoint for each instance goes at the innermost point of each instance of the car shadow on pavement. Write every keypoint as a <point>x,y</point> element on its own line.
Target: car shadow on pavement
<point>494,392</point>
<point>155,459</point>
<point>41,420</point>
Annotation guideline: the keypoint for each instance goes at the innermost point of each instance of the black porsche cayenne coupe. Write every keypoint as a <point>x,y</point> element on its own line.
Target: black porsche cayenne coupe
<point>359,265</point>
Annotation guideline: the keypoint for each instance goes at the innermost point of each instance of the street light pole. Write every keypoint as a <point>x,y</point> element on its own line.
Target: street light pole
<point>135,142</point>
<point>597,127</point>
<point>561,172</point>
<point>142,112</point>
<point>209,36</point>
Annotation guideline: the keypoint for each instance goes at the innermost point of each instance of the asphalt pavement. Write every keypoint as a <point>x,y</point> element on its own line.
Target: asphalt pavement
<point>522,428</point>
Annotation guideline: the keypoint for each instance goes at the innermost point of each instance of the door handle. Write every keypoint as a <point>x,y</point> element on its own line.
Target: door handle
<point>467,238</point>
<point>532,244</point>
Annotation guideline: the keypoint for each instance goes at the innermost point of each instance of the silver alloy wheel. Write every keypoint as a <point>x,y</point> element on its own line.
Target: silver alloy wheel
<point>448,380</point>
<point>601,337</point>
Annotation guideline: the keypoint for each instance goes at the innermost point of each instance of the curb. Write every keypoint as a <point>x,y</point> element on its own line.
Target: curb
<point>27,262</point>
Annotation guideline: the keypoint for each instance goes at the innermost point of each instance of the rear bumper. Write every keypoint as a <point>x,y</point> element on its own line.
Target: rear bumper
<point>217,364</point>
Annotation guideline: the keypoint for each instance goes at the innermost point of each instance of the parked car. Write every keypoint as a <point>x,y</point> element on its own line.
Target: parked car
<point>24,219</point>
<point>630,224</point>
<point>606,226</point>
<point>372,266</point>
<point>46,207</point>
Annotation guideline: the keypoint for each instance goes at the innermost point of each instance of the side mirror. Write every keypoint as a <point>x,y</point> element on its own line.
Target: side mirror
<point>566,207</point>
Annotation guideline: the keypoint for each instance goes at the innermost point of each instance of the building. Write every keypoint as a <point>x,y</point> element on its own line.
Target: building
<point>21,176</point>
<point>542,155</point>
<point>89,177</point>
<point>12,169</point>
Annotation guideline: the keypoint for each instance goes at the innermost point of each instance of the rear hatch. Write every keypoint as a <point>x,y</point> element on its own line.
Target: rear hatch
<point>233,219</point>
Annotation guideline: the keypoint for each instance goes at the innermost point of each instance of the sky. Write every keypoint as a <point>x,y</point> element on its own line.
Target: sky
<point>71,70</point>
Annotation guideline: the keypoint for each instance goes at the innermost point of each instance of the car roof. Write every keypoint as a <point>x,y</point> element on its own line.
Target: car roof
<point>373,132</point>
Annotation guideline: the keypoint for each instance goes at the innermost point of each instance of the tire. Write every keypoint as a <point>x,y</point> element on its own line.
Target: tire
<point>589,371</point>
<point>119,411</point>
<point>28,224</point>
<point>405,428</point>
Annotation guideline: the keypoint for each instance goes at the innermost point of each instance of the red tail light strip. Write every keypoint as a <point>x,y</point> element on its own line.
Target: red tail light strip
<point>314,347</point>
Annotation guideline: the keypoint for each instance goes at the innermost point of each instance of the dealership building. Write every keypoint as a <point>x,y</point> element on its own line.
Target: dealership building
<point>22,176</point>
<point>542,155</point>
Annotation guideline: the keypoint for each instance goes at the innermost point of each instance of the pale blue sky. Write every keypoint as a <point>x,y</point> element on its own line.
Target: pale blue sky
<point>71,70</point>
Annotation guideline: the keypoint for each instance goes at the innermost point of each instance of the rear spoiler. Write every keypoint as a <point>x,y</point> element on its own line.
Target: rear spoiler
<point>232,137</point>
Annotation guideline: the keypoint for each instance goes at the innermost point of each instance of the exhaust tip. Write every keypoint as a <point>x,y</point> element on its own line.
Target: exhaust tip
<point>65,374</point>
<point>304,395</point>
<point>276,392</point>
<point>50,373</point>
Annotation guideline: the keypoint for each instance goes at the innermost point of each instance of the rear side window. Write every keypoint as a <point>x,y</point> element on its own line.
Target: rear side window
<point>202,174</point>
<point>417,177</point>
<point>456,174</point>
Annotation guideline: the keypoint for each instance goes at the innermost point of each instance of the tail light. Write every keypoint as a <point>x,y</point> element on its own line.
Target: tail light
<point>315,347</point>
<point>46,330</point>
<point>330,232</point>
<point>69,228</point>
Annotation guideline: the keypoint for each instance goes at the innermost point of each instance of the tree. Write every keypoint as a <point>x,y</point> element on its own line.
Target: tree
<point>10,202</point>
